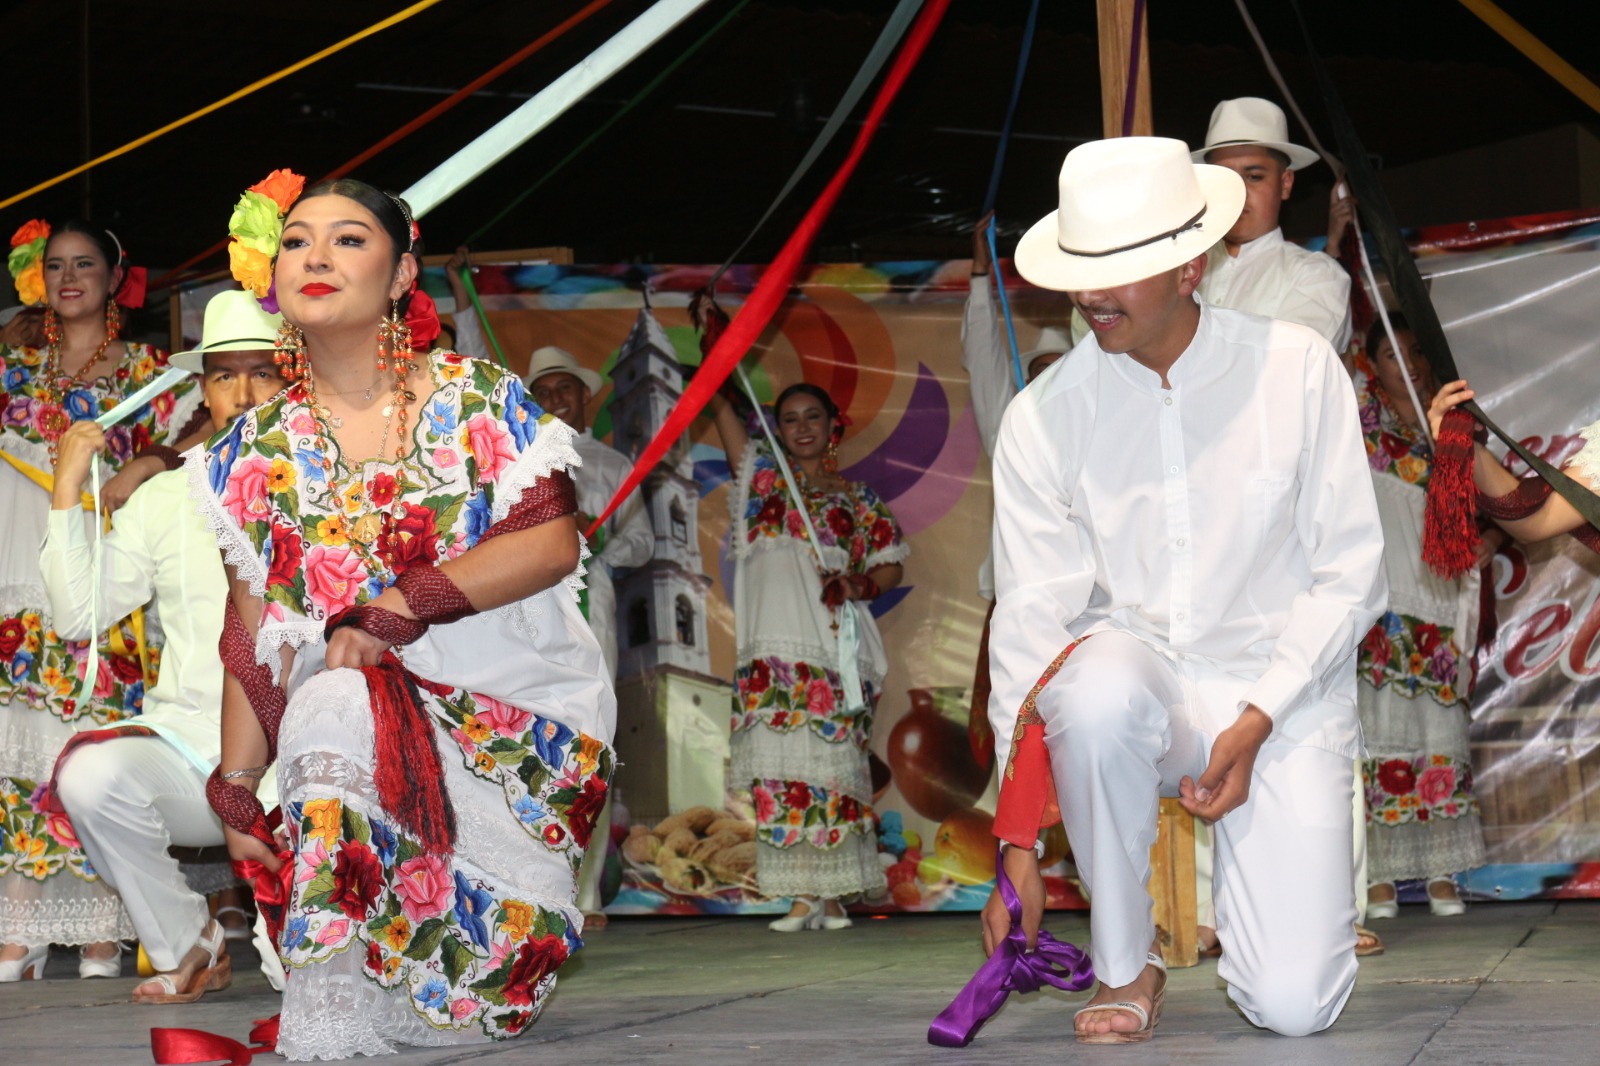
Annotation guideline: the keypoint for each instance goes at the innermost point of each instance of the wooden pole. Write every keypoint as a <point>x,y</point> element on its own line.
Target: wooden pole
<point>1116,45</point>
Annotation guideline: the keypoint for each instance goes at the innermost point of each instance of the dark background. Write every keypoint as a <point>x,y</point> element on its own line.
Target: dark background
<point>686,173</point>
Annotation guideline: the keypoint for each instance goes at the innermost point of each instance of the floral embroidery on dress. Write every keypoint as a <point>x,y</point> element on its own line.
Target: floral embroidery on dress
<point>785,695</point>
<point>38,668</point>
<point>463,956</point>
<point>855,520</point>
<point>1413,656</point>
<point>1393,447</point>
<point>37,844</point>
<point>1418,789</point>
<point>794,812</point>
<point>314,545</point>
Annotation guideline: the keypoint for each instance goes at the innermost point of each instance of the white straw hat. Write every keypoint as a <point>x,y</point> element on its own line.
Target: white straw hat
<point>1252,120</point>
<point>1131,208</point>
<point>553,360</point>
<point>234,322</point>
<point>1053,340</point>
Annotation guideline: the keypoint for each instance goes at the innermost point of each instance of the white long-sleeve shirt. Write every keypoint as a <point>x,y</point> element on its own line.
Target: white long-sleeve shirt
<point>1229,518</point>
<point>159,548</point>
<point>1276,278</point>
<point>630,538</point>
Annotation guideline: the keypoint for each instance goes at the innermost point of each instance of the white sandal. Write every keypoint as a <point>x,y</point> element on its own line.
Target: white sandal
<point>1445,908</point>
<point>216,975</point>
<point>235,932</point>
<point>1147,1022</point>
<point>794,923</point>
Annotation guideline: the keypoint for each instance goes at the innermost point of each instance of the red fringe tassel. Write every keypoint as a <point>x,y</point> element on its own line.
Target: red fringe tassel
<point>409,773</point>
<point>1450,523</point>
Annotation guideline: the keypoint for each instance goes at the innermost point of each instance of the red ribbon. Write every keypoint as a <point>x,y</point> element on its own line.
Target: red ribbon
<point>774,285</point>
<point>174,1047</point>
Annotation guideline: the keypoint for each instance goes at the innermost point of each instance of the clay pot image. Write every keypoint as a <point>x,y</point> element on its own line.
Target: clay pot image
<point>932,760</point>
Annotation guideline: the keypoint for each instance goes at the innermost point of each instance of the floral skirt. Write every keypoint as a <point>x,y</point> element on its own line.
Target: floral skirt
<point>804,763</point>
<point>1423,818</point>
<point>390,945</point>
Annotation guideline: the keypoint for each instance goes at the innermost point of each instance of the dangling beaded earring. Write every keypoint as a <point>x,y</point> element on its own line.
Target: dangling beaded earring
<point>830,458</point>
<point>394,339</point>
<point>52,327</point>
<point>289,352</point>
<point>113,320</point>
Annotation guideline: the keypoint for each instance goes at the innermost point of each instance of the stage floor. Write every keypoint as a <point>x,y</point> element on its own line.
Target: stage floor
<point>1506,983</point>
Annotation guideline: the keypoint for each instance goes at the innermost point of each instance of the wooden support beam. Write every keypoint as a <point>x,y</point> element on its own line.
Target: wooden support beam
<point>1116,44</point>
<point>1172,886</point>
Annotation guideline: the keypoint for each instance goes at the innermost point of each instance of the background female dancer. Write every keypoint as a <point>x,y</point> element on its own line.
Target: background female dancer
<point>798,742</point>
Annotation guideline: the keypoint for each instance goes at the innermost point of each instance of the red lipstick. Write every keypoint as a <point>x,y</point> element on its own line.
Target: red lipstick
<point>317,288</point>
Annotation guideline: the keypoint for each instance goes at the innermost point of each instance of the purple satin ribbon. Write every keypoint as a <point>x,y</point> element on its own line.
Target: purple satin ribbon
<point>1012,968</point>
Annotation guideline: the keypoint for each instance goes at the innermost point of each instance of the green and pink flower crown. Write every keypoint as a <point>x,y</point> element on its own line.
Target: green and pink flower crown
<point>255,230</point>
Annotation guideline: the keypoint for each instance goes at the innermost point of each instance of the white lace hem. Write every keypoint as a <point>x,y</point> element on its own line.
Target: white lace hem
<point>831,873</point>
<point>1587,461</point>
<point>96,914</point>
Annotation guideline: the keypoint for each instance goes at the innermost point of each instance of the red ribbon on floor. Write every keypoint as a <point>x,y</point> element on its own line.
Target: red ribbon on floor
<point>774,284</point>
<point>177,1047</point>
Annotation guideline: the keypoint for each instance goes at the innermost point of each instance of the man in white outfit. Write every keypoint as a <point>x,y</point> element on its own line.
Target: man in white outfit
<point>1253,268</point>
<point>1187,551</point>
<point>132,797</point>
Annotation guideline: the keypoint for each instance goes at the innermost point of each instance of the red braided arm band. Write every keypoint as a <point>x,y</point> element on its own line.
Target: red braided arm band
<point>238,651</point>
<point>238,807</point>
<point>548,498</point>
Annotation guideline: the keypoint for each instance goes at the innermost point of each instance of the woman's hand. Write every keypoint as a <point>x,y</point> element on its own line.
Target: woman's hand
<point>75,452</point>
<point>245,847</point>
<point>350,646</point>
<point>26,330</point>
<point>1451,395</point>
<point>134,472</point>
<point>1341,212</point>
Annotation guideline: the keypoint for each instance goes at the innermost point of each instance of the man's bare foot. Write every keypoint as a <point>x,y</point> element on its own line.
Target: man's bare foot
<point>1143,990</point>
<point>1367,942</point>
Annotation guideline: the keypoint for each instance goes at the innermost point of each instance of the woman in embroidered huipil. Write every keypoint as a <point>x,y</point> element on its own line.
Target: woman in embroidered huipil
<point>49,893</point>
<point>1415,665</point>
<point>399,529</point>
<point>800,734</point>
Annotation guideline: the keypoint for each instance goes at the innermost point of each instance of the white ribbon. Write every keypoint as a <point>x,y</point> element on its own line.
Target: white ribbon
<point>849,632</point>
<point>505,136</point>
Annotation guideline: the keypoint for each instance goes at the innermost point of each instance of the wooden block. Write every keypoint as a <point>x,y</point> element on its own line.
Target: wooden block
<point>1172,886</point>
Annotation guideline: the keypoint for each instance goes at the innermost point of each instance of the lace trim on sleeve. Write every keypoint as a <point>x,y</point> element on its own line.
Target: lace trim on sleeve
<point>550,450</point>
<point>237,551</point>
<point>1587,461</point>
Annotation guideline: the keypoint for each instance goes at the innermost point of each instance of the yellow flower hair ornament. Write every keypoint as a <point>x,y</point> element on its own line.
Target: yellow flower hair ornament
<point>26,261</point>
<point>256,228</point>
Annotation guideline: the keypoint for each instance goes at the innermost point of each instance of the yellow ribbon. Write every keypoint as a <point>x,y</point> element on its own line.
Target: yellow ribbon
<point>399,16</point>
<point>135,620</point>
<point>1519,38</point>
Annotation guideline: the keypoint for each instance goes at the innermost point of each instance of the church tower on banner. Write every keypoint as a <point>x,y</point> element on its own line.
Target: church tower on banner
<point>672,715</point>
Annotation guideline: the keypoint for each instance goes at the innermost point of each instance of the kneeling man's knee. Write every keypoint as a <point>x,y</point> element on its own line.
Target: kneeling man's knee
<point>1296,1003</point>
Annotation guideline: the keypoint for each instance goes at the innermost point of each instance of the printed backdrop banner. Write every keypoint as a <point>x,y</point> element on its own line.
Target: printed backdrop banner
<point>884,340</point>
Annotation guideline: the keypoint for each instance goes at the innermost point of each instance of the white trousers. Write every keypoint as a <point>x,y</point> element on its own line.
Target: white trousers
<point>1358,815</point>
<point>130,799</point>
<point>1124,724</point>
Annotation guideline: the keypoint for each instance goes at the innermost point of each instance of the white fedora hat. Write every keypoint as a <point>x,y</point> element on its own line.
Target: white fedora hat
<point>1131,208</point>
<point>1252,120</point>
<point>234,322</point>
<point>553,360</point>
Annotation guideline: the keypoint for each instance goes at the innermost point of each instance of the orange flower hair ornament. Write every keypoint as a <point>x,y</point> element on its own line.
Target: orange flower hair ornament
<point>256,228</point>
<point>26,261</point>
